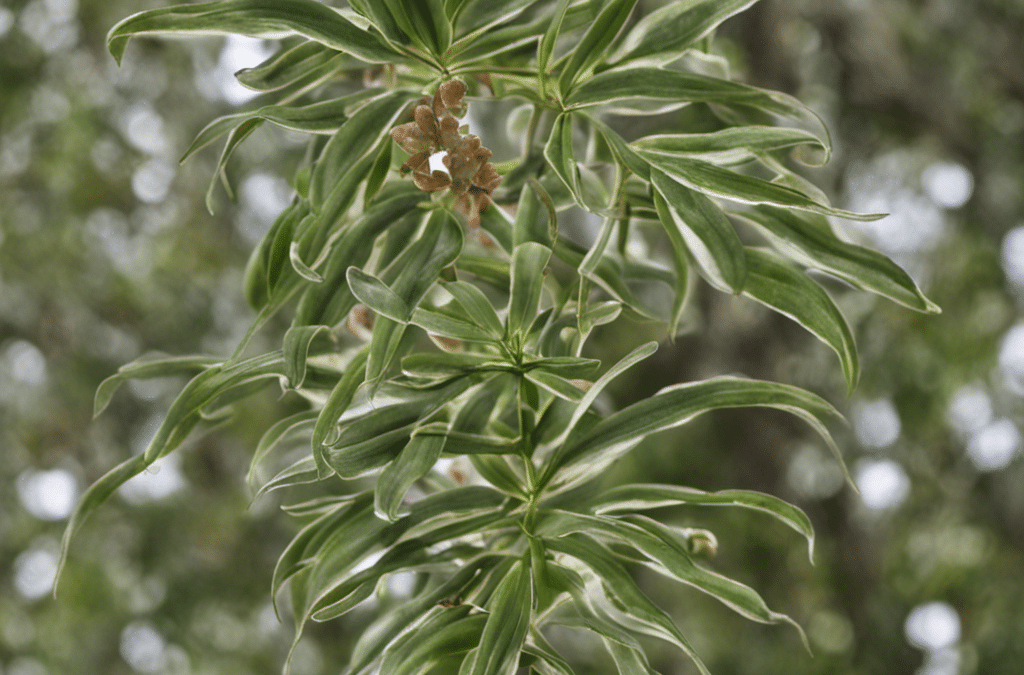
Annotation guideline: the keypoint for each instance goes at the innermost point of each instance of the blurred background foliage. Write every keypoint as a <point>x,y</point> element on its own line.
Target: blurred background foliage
<point>107,252</point>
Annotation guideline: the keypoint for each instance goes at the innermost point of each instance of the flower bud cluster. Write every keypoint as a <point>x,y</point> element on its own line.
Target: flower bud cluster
<point>435,128</point>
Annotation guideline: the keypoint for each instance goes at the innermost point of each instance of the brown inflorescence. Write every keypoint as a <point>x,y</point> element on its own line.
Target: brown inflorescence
<point>471,178</point>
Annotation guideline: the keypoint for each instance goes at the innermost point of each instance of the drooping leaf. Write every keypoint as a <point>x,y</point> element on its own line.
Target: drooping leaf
<point>734,145</point>
<point>721,182</point>
<point>792,293</point>
<point>275,434</point>
<point>663,35</point>
<point>415,460</point>
<point>694,222</point>
<point>376,295</point>
<point>681,87</point>
<point>308,59</point>
<point>297,341</point>
<point>635,497</point>
<point>255,18</point>
<point>676,405</point>
<point>809,239</point>
<point>547,43</point>
<point>147,367</point>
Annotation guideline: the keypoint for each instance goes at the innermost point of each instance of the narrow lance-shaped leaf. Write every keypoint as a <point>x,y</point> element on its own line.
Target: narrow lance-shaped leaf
<point>275,434</point>
<point>297,341</point>
<point>376,295</point>
<point>595,42</point>
<point>676,405</point>
<point>619,583</point>
<point>254,18</point>
<point>337,402</point>
<point>477,306</point>
<point>235,138</point>
<point>809,239</point>
<point>547,43</point>
<point>663,35</point>
<point>631,498</point>
<point>791,292</point>
<point>289,66</point>
<point>696,223</point>
<point>559,154</point>
<point>93,498</point>
<point>735,145</point>
<point>624,364</point>
<point>721,182</point>
<point>415,460</point>
<point>508,623</point>
<point>528,263</point>
<point>658,543</point>
<point>682,87</point>
<point>148,367</point>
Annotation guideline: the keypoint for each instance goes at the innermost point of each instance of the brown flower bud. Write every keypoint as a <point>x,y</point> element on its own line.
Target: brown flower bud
<point>437,180</point>
<point>425,120</point>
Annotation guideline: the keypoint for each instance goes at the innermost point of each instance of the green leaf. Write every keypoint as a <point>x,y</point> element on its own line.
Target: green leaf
<point>810,240</point>
<point>255,18</point>
<point>697,224</point>
<point>416,459</point>
<point>619,584</point>
<point>682,87</point>
<point>547,43</point>
<point>735,145</point>
<point>528,263</point>
<point>631,498</point>
<point>792,293</point>
<point>355,139</point>
<point>297,341</point>
<point>476,16</point>
<point>148,367</point>
<point>658,543</point>
<point>376,295</point>
<point>435,365</point>
<point>301,268</point>
<point>507,625</point>
<point>235,138</point>
<point>595,42</point>
<point>449,632</point>
<point>624,153</point>
<point>628,660</point>
<point>624,364</point>
<point>275,434</point>
<point>617,434</point>
<point>425,20</point>
<point>477,306</point>
<point>380,634</point>
<point>307,60</point>
<point>93,498</point>
<point>559,386</point>
<point>410,276</point>
<point>559,154</point>
<point>439,323</point>
<point>337,402</point>
<point>720,182</point>
<point>663,35</point>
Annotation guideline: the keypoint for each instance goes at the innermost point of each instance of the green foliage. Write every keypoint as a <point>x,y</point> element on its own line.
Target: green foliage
<point>509,305</point>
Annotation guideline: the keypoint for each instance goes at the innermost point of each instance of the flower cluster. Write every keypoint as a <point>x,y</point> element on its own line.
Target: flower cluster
<point>470,177</point>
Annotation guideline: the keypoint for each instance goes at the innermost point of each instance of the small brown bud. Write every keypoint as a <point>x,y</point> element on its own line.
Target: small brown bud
<point>437,180</point>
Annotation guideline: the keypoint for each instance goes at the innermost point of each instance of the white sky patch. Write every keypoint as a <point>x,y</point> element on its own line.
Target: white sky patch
<point>883,484</point>
<point>932,625</point>
<point>994,446</point>
<point>875,423</point>
<point>144,128</point>
<point>948,184</point>
<point>48,495</point>
<point>6,21</point>
<point>151,182</point>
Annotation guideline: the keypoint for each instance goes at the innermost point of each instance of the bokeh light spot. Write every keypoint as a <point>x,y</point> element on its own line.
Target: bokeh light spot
<point>875,423</point>
<point>933,625</point>
<point>883,484</point>
<point>994,446</point>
